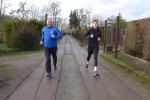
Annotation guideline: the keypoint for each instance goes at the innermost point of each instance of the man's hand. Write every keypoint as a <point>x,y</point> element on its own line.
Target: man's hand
<point>53,36</point>
<point>41,42</point>
<point>91,36</point>
<point>98,39</point>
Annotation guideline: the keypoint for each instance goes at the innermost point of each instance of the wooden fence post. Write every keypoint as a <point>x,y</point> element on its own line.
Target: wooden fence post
<point>117,32</point>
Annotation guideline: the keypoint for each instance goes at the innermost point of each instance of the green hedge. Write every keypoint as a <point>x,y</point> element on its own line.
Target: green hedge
<point>25,38</point>
<point>22,35</point>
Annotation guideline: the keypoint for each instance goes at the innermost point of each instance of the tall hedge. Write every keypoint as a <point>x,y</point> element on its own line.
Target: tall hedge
<point>36,25</point>
<point>22,35</point>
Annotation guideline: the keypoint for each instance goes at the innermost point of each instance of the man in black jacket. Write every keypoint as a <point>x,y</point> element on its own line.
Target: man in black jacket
<point>94,36</point>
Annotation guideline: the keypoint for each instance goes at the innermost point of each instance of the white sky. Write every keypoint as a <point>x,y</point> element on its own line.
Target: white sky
<point>130,9</point>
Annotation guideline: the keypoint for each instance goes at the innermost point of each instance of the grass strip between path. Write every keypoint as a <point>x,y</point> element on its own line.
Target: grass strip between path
<point>140,75</point>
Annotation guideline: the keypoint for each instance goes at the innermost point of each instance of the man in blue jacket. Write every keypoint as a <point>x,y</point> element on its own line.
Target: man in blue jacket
<point>50,36</point>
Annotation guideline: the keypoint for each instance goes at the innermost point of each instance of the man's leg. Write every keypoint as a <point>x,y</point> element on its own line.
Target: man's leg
<point>95,60</point>
<point>90,52</point>
<point>96,56</point>
<point>54,55</point>
<point>48,61</point>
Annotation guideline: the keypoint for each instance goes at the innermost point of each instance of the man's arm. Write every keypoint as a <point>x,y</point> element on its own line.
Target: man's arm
<point>58,34</point>
<point>88,33</point>
<point>42,38</point>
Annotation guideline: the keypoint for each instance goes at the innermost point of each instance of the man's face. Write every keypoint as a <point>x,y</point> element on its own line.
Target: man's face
<point>49,22</point>
<point>95,24</point>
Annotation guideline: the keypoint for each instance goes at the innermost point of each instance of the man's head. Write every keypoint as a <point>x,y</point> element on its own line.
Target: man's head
<point>95,23</point>
<point>49,22</point>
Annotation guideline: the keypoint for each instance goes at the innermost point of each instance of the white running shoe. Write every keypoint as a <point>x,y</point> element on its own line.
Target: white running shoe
<point>95,69</point>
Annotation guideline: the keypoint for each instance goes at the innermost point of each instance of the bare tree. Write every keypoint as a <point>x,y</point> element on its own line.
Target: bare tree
<point>88,16</point>
<point>3,6</point>
<point>21,12</point>
<point>55,10</point>
<point>34,12</point>
<point>52,9</point>
<point>82,16</point>
<point>85,17</point>
<point>65,28</point>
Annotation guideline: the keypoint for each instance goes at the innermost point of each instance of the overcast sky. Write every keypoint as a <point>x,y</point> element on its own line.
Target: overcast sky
<point>130,9</point>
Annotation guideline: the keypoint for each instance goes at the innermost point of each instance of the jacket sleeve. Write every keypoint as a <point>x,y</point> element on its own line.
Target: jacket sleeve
<point>88,33</point>
<point>42,36</point>
<point>58,34</point>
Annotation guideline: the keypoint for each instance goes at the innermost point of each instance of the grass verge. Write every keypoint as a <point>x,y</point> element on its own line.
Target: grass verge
<point>3,83</point>
<point>140,75</point>
<point>3,78</point>
<point>4,49</point>
<point>11,51</point>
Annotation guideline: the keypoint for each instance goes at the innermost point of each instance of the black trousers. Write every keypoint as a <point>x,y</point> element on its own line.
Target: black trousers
<point>48,53</point>
<point>92,50</point>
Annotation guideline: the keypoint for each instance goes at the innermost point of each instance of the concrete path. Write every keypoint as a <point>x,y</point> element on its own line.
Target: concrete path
<point>70,86</point>
<point>73,82</point>
<point>112,84</point>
